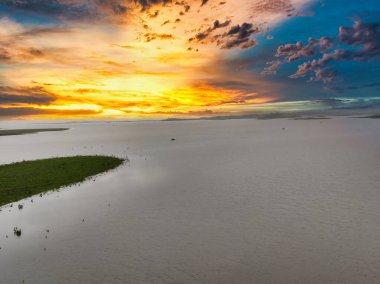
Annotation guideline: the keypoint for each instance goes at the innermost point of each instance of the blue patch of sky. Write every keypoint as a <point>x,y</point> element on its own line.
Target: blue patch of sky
<point>323,18</point>
<point>27,18</point>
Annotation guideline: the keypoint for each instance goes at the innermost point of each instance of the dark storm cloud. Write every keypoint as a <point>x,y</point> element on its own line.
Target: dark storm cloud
<point>14,96</point>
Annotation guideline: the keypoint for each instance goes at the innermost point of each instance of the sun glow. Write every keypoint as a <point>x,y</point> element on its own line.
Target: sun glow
<point>145,64</point>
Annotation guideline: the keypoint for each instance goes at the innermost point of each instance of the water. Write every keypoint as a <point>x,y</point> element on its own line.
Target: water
<point>238,201</point>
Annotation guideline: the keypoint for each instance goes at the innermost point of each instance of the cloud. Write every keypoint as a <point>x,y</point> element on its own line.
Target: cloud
<point>275,6</point>
<point>318,67</point>
<point>325,75</point>
<point>153,36</point>
<point>216,25</point>
<point>28,111</point>
<point>366,35</point>
<point>84,10</point>
<point>19,111</point>
<point>236,36</point>
<point>148,3</point>
<point>13,54</point>
<point>204,2</point>
<point>54,8</point>
<point>272,68</point>
<point>293,52</point>
<point>81,10</point>
<point>4,55</point>
<point>232,85</point>
<point>240,36</point>
<point>116,7</point>
<point>14,96</point>
<point>155,14</point>
<point>360,42</point>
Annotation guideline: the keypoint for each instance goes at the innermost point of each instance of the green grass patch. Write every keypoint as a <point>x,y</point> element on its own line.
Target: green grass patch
<point>24,179</point>
<point>7,132</point>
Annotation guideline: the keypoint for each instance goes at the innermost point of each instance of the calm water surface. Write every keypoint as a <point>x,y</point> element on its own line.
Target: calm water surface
<point>238,201</point>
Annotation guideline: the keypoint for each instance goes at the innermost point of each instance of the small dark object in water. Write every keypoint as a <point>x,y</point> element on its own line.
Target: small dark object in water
<point>283,128</point>
<point>20,206</point>
<point>17,231</point>
<point>173,139</point>
<point>47,231</point>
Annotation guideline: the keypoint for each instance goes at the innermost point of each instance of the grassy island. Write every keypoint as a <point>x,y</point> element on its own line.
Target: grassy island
<point>24,179</point>
<point>8,132</point>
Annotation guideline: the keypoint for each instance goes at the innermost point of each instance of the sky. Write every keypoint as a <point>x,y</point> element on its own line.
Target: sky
<point>154,59</point>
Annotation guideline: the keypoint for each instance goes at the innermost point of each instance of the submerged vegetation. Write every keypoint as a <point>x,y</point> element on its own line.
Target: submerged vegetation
<point>7,132</point>
<point>23,179</point>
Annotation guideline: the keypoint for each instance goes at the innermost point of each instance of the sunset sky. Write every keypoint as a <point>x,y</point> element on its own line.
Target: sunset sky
<point>149,59</point>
